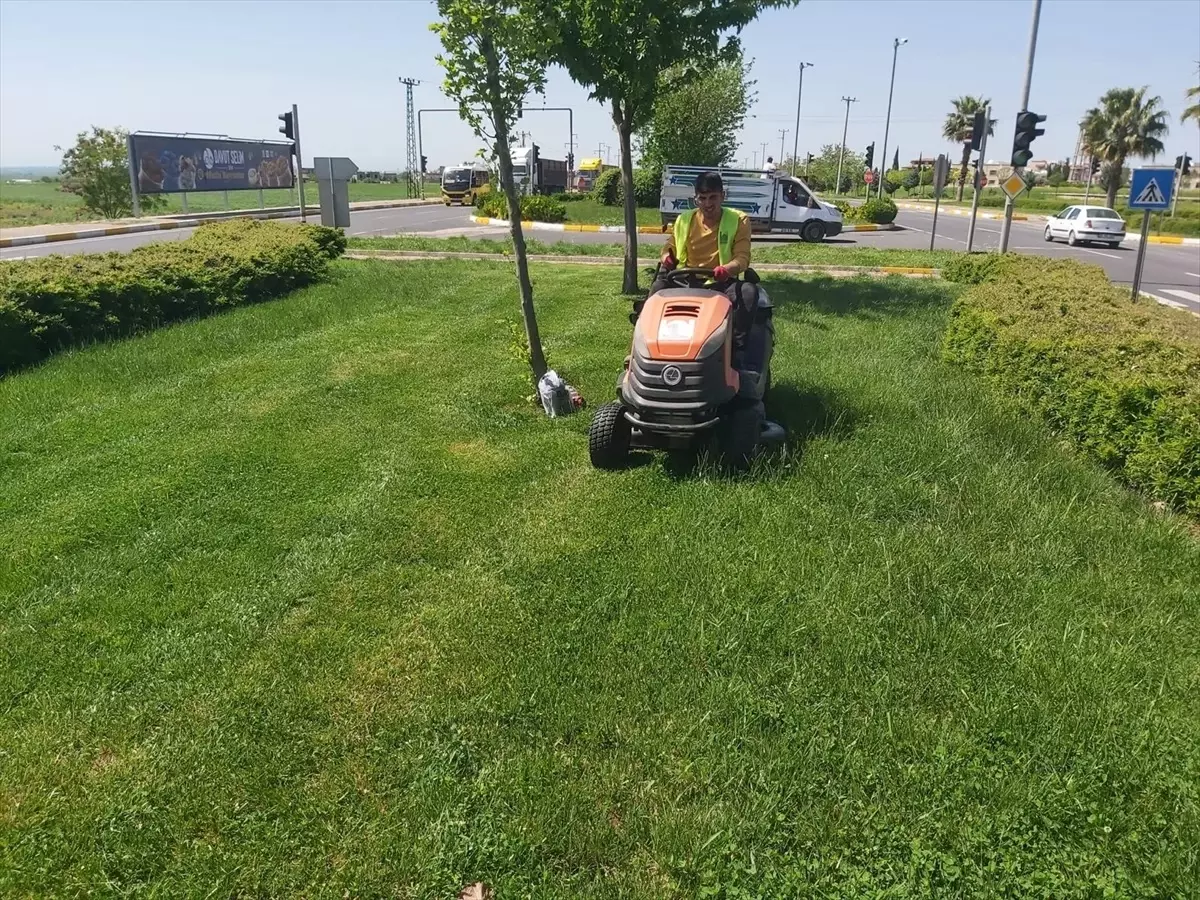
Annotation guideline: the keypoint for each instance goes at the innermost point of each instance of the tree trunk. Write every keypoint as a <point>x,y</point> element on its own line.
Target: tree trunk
<point>537,359</point>
<point>622,119</point>
<point>962,174</point>
<point>1114,182</point>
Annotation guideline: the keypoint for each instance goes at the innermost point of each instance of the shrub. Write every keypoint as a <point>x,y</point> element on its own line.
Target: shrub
<point>55,302</point>
<point>647,187</point>
<point>974,268</point>
<point>1120,380</point>
<point>880,211</point>
<point>606,189</point>
<point>538,208</point>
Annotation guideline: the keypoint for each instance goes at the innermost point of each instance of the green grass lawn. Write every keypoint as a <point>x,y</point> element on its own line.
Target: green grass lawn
<point>40,203</point>
<point>781,252</point>
<point>590,212</point>
<point>306,599</point>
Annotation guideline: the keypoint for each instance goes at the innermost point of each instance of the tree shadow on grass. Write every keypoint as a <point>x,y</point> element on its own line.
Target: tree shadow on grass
<point>862,297</point>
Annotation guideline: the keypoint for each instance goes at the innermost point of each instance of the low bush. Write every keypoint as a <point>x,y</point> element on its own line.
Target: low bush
<point>538,208</point>
<point>1120,380</point>
<point>573,196</point>
<point>54,302</point>
<point>607,187</point>
<point>877,210</point>
<point>647,187</point>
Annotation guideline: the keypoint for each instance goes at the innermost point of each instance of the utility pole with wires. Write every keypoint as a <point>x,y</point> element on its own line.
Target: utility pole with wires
<point>764,154</point>
<point>837,186</point>
<point>782,134</point>
<point>416,183</point>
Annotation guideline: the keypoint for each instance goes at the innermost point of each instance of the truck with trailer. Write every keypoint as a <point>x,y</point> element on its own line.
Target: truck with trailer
<point>533,174</point>
<point>776,203</point>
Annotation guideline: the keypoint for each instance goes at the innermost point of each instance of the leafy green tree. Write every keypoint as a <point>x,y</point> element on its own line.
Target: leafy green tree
<point>823,171</point>
<point>893,180</point>
<point>697,115</point>
<point>912,178</point>
<point>957,129</point>
<point>97,169</point>
<point>1126,123</point>
<point>618,49</point>
<point>494,53</point>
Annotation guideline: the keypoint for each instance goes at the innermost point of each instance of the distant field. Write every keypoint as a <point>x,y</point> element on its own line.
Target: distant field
<point>42,203</point>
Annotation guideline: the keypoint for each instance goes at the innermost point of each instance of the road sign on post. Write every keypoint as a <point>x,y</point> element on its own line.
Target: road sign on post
<point>1149,189</point>
<point>869,177</point>
<point>941,171</point>
<point>1013,185</point>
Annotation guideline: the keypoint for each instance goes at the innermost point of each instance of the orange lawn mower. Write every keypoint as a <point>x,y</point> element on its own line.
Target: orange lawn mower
<point>684,386</point>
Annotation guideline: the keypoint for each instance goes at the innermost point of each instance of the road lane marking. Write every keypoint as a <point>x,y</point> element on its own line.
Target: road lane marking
<point>1193,274</point>
<point>1098,253</point>
<point>1183,295</point>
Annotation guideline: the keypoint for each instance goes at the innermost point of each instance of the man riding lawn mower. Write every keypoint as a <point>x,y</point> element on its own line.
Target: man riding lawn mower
<point>702,346</point>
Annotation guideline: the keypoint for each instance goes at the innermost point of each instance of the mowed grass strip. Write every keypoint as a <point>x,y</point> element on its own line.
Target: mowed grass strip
<point>307,599</point>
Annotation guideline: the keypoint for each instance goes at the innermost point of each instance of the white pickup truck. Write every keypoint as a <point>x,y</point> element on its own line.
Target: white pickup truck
<point>774,202</point>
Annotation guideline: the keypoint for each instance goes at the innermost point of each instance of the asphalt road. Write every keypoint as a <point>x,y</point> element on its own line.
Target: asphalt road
<point>1172,273</point>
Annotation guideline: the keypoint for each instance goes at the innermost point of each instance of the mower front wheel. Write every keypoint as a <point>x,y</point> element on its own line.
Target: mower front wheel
<point>608,437</point>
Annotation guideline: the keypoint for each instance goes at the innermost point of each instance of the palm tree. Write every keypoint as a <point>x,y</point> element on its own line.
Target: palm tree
<point>1126,123</point>
<point>958,129</point>
<point>1193,111</point>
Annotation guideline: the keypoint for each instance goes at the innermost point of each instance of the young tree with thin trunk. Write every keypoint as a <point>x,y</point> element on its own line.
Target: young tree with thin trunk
<point>495,54</point>
<point>618,49</point>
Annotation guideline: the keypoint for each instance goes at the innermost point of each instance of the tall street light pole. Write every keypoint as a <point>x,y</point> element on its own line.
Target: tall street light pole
<point>796,133</point>
<point>837,185</point>
<point>896,43</point>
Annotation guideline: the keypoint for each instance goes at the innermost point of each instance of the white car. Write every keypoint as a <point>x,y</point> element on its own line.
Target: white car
<point>1084,224</point>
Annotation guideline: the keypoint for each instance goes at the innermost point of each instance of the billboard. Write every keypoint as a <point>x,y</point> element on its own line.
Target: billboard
<point>167,164</point>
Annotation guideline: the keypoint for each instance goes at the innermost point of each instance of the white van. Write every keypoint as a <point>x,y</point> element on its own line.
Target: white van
<point>775,202</point>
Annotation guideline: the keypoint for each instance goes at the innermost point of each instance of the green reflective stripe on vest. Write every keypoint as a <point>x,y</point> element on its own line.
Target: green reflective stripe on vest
<point>726,232</point>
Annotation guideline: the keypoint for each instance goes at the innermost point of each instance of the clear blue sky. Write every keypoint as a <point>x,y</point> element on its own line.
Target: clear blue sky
<point>230,67</point>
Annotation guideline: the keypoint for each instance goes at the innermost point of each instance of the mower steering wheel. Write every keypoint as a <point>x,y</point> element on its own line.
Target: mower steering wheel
<point>678,276</point>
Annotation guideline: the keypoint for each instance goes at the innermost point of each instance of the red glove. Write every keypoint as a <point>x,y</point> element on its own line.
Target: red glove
<point>668,261</point>
<point>720,273</point>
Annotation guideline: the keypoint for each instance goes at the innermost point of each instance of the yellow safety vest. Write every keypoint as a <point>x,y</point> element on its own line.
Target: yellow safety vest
<point>725,234</point>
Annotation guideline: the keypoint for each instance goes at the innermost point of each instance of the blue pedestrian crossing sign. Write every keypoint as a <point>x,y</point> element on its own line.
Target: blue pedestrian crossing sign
<point>1151,188</point>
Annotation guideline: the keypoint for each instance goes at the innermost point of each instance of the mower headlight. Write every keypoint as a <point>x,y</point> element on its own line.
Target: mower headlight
<point>676,329</point>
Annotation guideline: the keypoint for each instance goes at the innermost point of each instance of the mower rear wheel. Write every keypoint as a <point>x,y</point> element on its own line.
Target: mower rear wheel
<point>608,437</point>
<point>737,435</point>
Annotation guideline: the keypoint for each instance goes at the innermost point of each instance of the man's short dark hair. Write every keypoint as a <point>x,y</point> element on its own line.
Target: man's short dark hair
<point>709,182</point>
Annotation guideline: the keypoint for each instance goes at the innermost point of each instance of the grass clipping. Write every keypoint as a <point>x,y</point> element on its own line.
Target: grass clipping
<point>1120,380</point>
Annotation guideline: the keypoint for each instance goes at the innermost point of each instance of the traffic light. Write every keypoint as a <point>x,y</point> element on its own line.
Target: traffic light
<point>1027,130</point>
<point>870,156</point>
<point>1095,165</point>
<point>288,128</point>
<point>978,129</point>
<point>808,162</point>
<point>570,162</point>
<point>424,163</point>
<point>1183,164</point>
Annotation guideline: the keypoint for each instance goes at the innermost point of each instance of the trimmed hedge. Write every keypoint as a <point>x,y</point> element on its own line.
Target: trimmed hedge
<point>538,208</point>
<point>610,191</point>
<point>607,187</point>
<point>1120,380</point>
<point>880,211</point>
<point>55,302</point>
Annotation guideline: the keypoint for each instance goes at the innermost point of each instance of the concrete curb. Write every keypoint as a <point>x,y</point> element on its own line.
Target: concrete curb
<point>568,226</point>
<point>957,211</point>
<point>840,271</point>
<point>167,224</point>
<point>642,229</point>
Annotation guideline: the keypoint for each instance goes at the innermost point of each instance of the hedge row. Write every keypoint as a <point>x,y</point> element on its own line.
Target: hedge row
<point>876,210</point>
<point>609,189</point>
<point>1120,380</point>
<point>537,208</point>
<point>54,302</point>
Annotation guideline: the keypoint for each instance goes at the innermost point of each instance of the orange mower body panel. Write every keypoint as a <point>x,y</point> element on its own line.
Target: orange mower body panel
<point>675,324</point>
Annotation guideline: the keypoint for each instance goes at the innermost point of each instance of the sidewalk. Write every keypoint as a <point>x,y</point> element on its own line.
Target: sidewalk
<point>73,231</point>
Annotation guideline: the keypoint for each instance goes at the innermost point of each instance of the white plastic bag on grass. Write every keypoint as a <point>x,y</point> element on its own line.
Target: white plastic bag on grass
<point>556,399</point>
